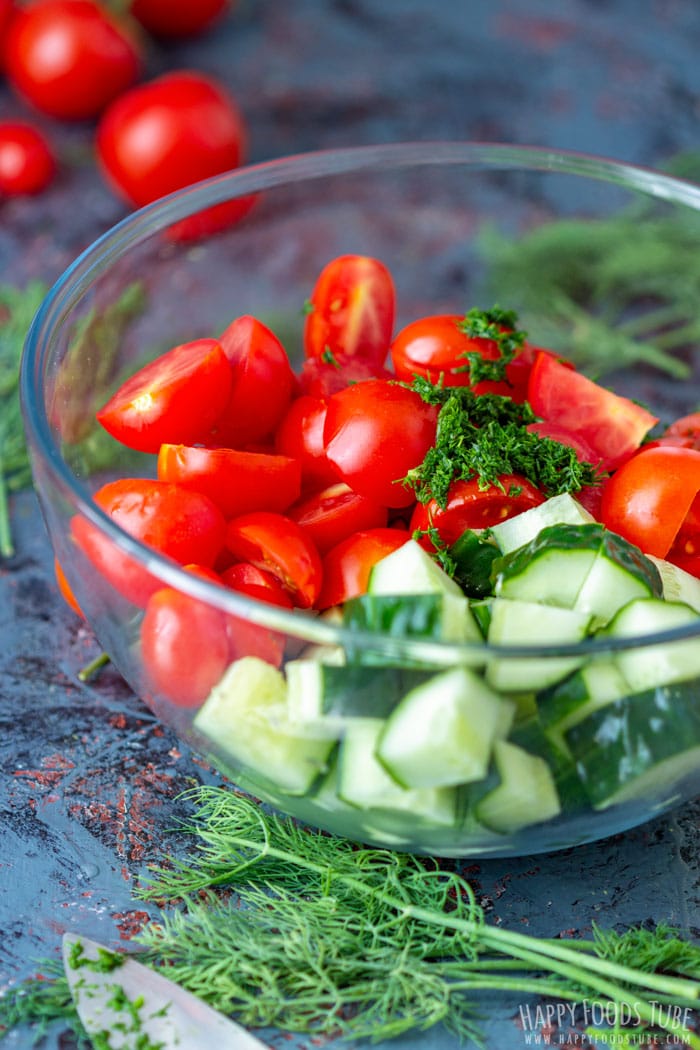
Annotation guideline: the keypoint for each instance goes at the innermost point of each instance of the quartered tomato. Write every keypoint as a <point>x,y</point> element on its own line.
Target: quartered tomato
<point>27,161</point>
<point>280,546</point>
<point>347,566</point>
<point>176,398</point>
<point>351,310</point>
<point>471,506</point>
<point>327,374</point>
<point>263,384</point>
<point>648,499</point>
<point>300,436</point>
<point>236,481</point>
<point>376,432</point>
<point>335,513</point>
<point>612,426</point>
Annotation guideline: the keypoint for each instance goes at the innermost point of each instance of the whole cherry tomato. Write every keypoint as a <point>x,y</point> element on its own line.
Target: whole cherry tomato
<point>469,506</point>
<point>280,546</point>
<point>177,18</point>
<point>347,566</point>
<point>375,432</point>
<point>300,435</point>
<point>176,398</point>
<point>335,513</point>
<point>70,58</point>
<point>351,310</point>
<point>169,133</point>
<point>27,162</point>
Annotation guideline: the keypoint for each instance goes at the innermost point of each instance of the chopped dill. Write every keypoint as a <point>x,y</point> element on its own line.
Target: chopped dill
<point>499,326</point>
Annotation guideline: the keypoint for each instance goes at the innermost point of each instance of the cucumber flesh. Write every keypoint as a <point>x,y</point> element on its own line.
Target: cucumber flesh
<point>410,570</point>
<point>525,795</point>
<point>516,531</point>
<point>595,684</point>
<point>678,585</point>
<point>516,622</point>
<point>647,666</point>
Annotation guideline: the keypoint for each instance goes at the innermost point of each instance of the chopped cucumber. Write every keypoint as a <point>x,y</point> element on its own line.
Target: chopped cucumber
<point>525,795</point>
<point>443,617</point>
<point>639,747</point>
<point>474,555</point>
<point>442,732</point>
<point>678,585</point>
<point>516,531</point>
<point>245,720</point>
<point>593,685</point>
<point>410,570</point>
<point>516,622</point>
<point>620,573</point>
<point>647,666</point>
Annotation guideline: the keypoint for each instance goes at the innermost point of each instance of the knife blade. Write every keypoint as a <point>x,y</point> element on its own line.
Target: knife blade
<point>124,1005</point>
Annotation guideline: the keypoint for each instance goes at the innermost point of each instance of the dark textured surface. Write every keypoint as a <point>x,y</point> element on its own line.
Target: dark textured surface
<point>89,779</point>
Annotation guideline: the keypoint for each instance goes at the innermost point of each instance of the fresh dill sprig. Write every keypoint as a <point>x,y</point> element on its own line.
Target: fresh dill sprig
<point>41,1003</point>
<point>499,326</point>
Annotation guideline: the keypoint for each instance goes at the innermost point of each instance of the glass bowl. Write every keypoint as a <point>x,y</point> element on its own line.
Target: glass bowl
<point>447,219</point>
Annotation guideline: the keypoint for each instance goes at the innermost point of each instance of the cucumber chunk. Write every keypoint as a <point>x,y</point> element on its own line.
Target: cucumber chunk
<point>678,585</point>
<point>640,747</point>
<point>647,666</point>
<point>443,617</point>
<point>525,795</point>
<point>410,570</point>
<point>245,719</point>
<point>516,622</point>
<point>516,531</point>
<point>474,555</point>
<point>592,686</point>
<point>442,732</point>
<point>619,574</point>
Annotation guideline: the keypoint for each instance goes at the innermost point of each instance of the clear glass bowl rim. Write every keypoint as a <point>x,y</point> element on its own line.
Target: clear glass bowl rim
<point>146,222</point>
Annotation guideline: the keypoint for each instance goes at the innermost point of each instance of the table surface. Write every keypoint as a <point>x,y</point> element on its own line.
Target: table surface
<point>89,778</point>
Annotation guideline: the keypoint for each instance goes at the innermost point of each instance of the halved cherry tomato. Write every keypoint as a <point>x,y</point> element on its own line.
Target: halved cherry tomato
<point>325,375</point>
<point>177,18</point>
<point>611,425</point>
<point>70,58</point>
<point>347,566</point>
<point>335,513</point>
<point>687,429</point>
<point>263,384</point>
<point>300,436</point>
<point>27,162</point>
<point>280,546</point>
<point>469,506</point>
<point>185,526</point>
<point>376,432</point>
<point>352,309</point>
<point>236,481</point>
<point>648,499</point>
<point>256,583</point>
<point>175,398</point>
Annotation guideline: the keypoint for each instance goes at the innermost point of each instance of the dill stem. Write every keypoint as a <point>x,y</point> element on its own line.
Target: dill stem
<point>93,668</point>
<point>651,320</point>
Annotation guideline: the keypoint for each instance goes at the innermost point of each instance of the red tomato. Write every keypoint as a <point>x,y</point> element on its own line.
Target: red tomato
<point>70,58</point>
<point>686,429</point>
<point>613,426</point>
<point>335,513</point>
<point>263,384</point>
<point>300,436</point>
<point>27,162</point>
<point>169,133</point>
<point>649,497</point>
<point>177,18</point>
<point>175,398</point>
<point>352,309</point>
<point>8,9</point>
<point>66,589</point>
<point>376,432</point>
<point>185,526</point>
<point>346,567</point>
<point>555,432</point>
<point>236,481</point>
<point>471,507</point>
<point>280,546</point>
<point>322,376</point>
<point>256,583</point>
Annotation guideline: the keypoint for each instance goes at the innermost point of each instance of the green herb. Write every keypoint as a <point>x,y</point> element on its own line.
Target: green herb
<point>485,436</point>
<point>329,358</point>
<point>42,1003</point>
<point>499,326</point>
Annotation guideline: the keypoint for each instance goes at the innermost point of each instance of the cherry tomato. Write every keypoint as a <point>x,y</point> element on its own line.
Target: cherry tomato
<point>184,646</point>
<point>347,566</point>
<point>335,513</point>
<point>27,162</point>
<point>177,18</point>
<point>280,546</point>
<point>469,506</point>
<point>66,589</point>
<point>375,432</point>
<point>169,133</point>
<point>256,583</point>
<point>8,10</point>
<point>649,497</point>
<point>175,398</point>
<point>300,436</point>
<point>555,432</point>
<point>686,429</point>
<point>236,481</point>
<point>352,309</point>
<point>611,425</point>
<point>325,375</point>
<point>263,384</point>
<point>185,526</point>
<point>70,58</point>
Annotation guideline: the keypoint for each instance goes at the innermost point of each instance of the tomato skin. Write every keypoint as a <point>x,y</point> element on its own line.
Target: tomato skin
<point>471,507</point>
<point>175,398</point>
<point>347,566</point>
<point>27,161</point>
<point>70,58</point>
<point>262,388</point>
<point>649,497</point>
<point>321,377</point>
<point>169,133</point>
<point>176,20</point>
<point>66,589</point>
<point>250,579</point>
<point>375,432</point>
<point>686,429</point>
<point>300,436</point>
<point>236,481</point>
<point>277,544</point>
<point>353,304</point>
<point>613,426</point>
<point>584,452</point>
<point>182,525</point>
<point>335,513</point>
